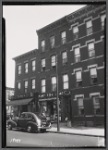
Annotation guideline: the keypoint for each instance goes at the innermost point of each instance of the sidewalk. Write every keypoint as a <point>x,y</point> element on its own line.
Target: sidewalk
<point>90,131</point>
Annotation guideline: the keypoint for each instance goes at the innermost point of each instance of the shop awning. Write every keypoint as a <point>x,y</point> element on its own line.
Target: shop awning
<point>48,99</point>
<point>19,102</point>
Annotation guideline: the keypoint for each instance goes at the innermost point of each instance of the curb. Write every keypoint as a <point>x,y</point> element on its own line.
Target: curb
<point>77,134</point>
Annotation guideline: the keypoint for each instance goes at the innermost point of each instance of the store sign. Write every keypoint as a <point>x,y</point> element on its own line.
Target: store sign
<point>48,95</point>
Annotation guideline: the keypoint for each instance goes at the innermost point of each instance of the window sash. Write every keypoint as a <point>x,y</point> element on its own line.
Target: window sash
<point>43,86</point>
<point>96,101</point>
<point>91,46</point>
<point>33,65</point>
<point>64,57</point>
<point>65,85</point>
<point>53,80</point>
<point>54,83</point>
<point>91,53</point>
<point>65,82</point>
<point>43,89</point>
<point>63,37</point>
<point>80,102</point>
<point>65,78</point>
<point>78,76</point>
<point>52,41</point>
<point>89,24</point>
<point>54,86</point>
<point>89,30</point>
<point>43,63</point>
<point>53,60</point>
<point>19,85</point>
<point>75,29</point>
<point>93,72</point>
<point>63,34</point>
<point>43,43</point>
<point>19,69</point>
<point>43,82</point>
<point>77,51</point>
<point>26,84</point>
<point>33,84</point>
<point>26,67</point>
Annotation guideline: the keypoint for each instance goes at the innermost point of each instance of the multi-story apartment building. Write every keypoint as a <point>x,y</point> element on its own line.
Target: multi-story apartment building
<point>25,82</point>
<point>70,61</point>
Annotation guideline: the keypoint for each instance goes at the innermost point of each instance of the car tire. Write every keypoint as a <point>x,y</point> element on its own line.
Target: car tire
<point>9,127</point>
<point>29,128</point>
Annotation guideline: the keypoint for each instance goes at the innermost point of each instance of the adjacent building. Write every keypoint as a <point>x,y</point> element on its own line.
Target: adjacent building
<point>9,95</point>
<point>70,62</point>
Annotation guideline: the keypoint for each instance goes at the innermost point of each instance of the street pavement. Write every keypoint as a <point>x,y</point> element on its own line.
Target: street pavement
<point>49,139</point>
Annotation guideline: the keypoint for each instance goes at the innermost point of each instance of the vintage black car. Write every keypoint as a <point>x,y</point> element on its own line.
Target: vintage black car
<point>31,122</point>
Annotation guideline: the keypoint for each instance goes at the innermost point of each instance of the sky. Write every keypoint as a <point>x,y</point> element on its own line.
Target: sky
<point>21,25</point>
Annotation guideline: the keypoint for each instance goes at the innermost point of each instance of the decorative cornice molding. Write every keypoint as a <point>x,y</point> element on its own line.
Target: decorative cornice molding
<point>52,26</point>
<point>84,12</point>
<point>25,54</point>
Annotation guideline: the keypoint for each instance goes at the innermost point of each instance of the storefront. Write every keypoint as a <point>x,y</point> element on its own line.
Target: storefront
<point>49,107</point>
<point>22,105</point>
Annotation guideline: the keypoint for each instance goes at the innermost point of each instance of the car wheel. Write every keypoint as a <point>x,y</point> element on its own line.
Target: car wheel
<point>9,127</point>
<point>29,128</point>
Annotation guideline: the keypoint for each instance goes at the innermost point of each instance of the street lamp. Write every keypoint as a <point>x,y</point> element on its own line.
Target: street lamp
<point>58,125</point>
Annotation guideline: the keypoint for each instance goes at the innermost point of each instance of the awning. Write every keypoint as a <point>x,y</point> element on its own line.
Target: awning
<point>48,99</point>
<point>19,102</point>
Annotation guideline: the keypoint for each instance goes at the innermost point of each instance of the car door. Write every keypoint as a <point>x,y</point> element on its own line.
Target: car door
<point>21,121</point>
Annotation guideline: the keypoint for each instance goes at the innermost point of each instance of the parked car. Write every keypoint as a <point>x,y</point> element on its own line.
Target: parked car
<point>30,122</point>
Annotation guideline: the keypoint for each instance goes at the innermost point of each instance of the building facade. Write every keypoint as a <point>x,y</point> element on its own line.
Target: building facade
<point>25,83</point>
<point>9,95</point>
<point>70,62</point>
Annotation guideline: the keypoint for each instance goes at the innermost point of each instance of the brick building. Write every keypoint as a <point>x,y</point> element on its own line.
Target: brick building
<point>71,52</point>
<point>25,82</point>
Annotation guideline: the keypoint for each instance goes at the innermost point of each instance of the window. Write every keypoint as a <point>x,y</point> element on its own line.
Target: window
<point>78,78</point>
<point>53,61</point>
<point>26,86</point>
<point>103,17</point>
<point>89,27</point>
<point>64,58</point>
<point>33,65</point>
<point>33,83</point>
<point>91,50</point>
<point>52,41</point>
<point>63,37</point>
<point>77,54</point>
<point>43,86</point>
<point>65,81</point>
<point>53,83</point>
<point>19,69</point>
<point>19,85</point>
<point>75,32</point>
<point>96,104</point>
<point>26,67</point>
<point>93,74</point>
<point>43,64</point>
<point>43,45</point>
<point>80,105</point>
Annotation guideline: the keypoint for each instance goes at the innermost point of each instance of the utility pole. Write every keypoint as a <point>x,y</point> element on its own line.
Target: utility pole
<point>58,125</point>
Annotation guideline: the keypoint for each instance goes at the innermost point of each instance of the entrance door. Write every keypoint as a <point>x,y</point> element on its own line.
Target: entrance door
<point>66,108</point>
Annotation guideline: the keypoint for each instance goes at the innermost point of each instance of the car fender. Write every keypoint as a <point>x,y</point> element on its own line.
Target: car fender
<point>14,124</point>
